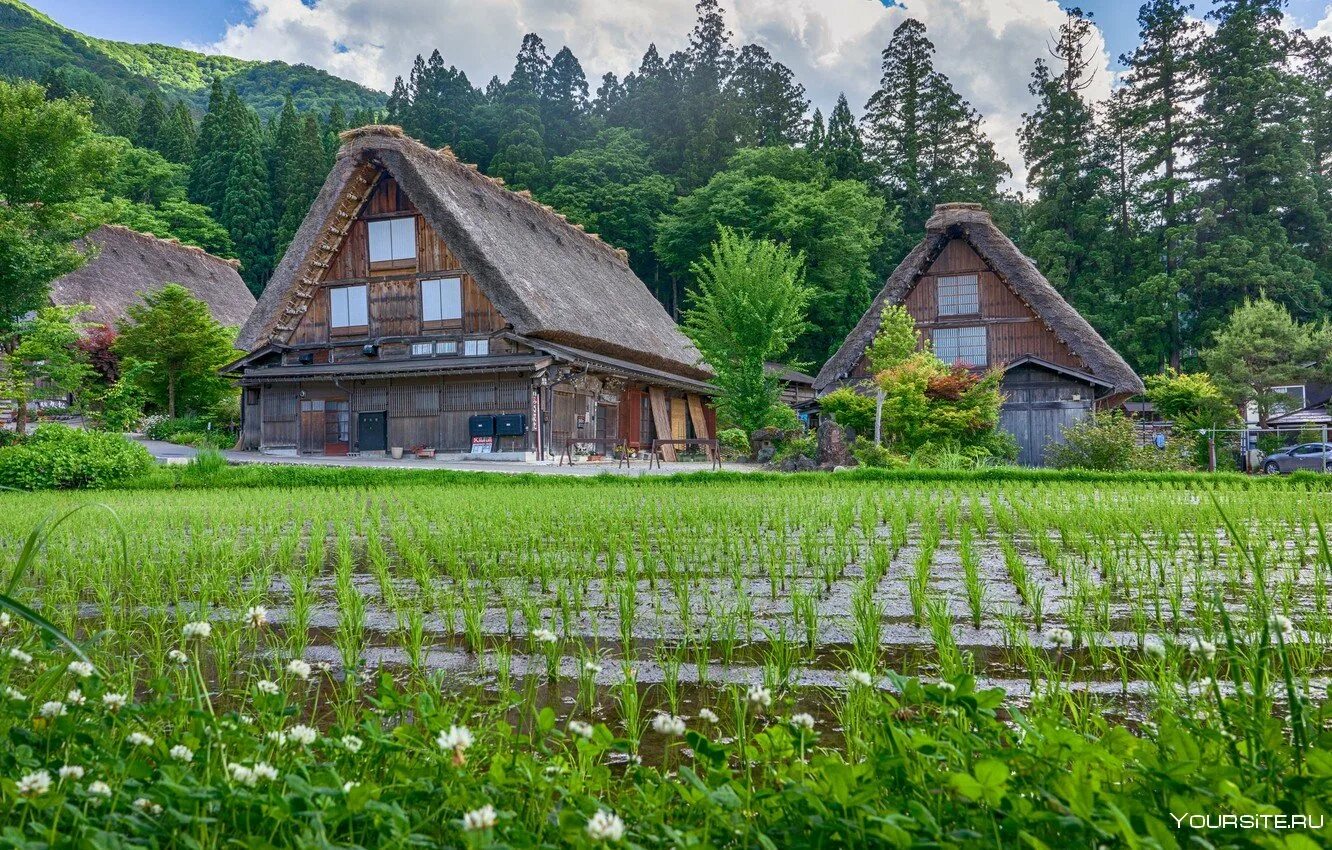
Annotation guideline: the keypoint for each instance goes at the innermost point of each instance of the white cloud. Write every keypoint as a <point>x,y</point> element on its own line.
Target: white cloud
<point>986,47</point>
<point>1323,27</point>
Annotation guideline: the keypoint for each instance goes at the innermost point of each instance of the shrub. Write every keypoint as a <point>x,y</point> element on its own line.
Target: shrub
<point>868,453</point>
<point>850,409</point>
<point>784,417</point>
<point>1109,442</point>
<point>733,441</point>
<point>803,446</point>
<point>58,457</point>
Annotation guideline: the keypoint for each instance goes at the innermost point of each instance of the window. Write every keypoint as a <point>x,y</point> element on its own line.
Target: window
<point>964,344</point>
<point>959,295</point>
<point>446,347</point>
<point>441,300</point>
<point>423,349</point>
<point>1294,399</point>
<point>393,241</point>
<point>476,347</point>
<point>347,307</point>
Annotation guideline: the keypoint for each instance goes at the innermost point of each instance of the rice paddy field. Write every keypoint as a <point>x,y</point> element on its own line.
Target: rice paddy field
<point>615,630</point>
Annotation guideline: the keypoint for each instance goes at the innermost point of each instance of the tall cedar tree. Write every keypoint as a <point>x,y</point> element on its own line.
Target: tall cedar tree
<point>247,207</point>
<point>1160,89</point>
<point>925,142</point>
<point>1068,166</point>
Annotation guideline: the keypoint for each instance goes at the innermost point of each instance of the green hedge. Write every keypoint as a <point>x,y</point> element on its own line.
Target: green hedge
<point>57,457</point>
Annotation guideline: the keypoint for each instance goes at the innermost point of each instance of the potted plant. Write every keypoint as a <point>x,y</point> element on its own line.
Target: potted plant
<point>396,452</point>
<point>424,452</point>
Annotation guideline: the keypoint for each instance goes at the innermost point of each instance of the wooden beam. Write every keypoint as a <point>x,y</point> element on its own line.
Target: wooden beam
<point>696,416</point>
<point>661,420</point>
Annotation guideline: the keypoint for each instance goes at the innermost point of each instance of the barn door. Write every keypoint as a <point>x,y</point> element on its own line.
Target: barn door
<point>312,425</point>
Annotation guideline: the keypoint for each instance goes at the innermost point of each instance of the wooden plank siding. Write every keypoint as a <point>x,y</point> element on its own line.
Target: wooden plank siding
<point>1013,329</point>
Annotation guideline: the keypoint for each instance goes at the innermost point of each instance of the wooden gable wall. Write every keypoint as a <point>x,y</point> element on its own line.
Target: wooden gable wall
<point>1013,329</point>
<point>394,295</point>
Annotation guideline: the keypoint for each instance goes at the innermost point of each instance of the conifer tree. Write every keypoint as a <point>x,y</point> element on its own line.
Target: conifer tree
<point>843,148</point>
<point>151,118</point>
<point>247,204</point>
<point>564,106</point>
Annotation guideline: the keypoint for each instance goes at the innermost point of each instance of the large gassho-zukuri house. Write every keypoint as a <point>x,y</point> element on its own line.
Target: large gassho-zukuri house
<point>978,300</point>
<point>423,306</point>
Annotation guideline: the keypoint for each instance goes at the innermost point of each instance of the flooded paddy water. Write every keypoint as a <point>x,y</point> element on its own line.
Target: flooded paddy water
<point>567,593</point>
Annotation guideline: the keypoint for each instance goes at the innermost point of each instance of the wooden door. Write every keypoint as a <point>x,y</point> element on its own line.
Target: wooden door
<point>337,427</point>
<point>312,426</point>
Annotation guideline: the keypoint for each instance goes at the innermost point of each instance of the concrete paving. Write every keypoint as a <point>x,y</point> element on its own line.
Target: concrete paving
<point>170,453</point>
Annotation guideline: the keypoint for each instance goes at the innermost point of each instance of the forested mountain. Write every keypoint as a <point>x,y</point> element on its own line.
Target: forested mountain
<point>32,46</point>
<point>1205,179</point>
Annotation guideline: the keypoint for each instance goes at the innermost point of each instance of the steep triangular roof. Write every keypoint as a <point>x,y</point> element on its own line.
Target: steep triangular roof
<point>973,224</point>
<point>129,264</point>
<point>549,278</point>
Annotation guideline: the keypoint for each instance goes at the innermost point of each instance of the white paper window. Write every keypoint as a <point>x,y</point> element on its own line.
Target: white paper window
<point>959,295</point>
<point>476,347</point>
<point>348,308</point>
<point>392,239</point>
<point>966,345</point>
<point>446,348</point>
<point>423,349</point>
<point>441,300</point>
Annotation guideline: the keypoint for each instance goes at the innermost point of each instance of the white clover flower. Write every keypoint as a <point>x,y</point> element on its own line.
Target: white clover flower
<point>478,819</point>
<point>241,774</point>
<point>264,770</point>
<point>302,734</point>
<point>352,744</point>
<point>99,789</point>
<point>267,687</point>
<point>175,656</point>
<point>581,729</point>
<point>455,738</point>
<point>708,714</point>
<point>803,722</point>
<point>349,785</point>
<point>82,669</point>
<point>278,737</point>
<point>1059,637</point>
<point>71,771</point>
<point>298,668</point>
<point>5,622</point>
<point>15,694</point>
<point>35,784</point>
<point>605,826</point>
<point>198,629</point>
<point>1154,648</point>
<point>148,807</point>
<point>1202,648</point>
<point>256,616</point>
<point>20,656</point>
<point>139,739</point>
<point>52,709</point>
<point>759,696</point>
<point>544,635</point>
<point>114,702</point>
<point>75,697</point>
<point>180,752</point>
<point>1281,623</point>
<point>591,667</point>
<point>668,724</point>
<point>860,677</point>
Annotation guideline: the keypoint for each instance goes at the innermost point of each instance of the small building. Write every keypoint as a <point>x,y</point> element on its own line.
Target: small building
<point>424,306</point>
<point>129,264</point>
<point>797,387</point>
<point>979,301</point>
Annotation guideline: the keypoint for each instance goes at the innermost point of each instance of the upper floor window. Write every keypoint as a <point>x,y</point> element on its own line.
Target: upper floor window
<point>967,345</point>
<point>348,307</point>
<point>441,300</point>
<point>392,242</point>
<point>959,295</point>
<point>476,347</point>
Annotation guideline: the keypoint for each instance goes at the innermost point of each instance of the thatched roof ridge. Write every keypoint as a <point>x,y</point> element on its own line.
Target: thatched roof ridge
<point>972,223</point>
<point>129,263</point>
<point>549,279</point>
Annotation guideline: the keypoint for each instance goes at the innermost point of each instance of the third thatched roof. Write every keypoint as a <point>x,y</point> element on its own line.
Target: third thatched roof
<point>549,278</point>
<point>973,224</point>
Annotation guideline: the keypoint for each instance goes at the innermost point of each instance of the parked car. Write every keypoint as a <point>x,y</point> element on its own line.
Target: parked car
<point>1312,456</point>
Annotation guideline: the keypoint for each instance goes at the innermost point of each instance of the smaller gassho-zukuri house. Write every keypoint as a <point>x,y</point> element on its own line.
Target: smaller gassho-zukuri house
<point>423,306</point>
<point>130,264</point>
<point>980,301</point>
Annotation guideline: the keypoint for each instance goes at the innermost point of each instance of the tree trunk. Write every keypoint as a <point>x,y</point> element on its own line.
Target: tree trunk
<point>171,393</point>
<point>878,417</point>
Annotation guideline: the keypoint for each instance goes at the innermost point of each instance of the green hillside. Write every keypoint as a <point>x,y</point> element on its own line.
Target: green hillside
<point>32,46</point>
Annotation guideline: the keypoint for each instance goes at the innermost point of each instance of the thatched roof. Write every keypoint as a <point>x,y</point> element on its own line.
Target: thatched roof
<point>972,223</point>
<point>549,278</point>
<point>129,264</point>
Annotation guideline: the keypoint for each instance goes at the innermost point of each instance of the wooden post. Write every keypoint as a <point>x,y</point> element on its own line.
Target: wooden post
<point>700,421</point>
<point>1211,450</point>
<point>878,416</point>
<point>661,420</point>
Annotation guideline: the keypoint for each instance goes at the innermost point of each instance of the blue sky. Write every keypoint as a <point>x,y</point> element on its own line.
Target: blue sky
<point>205,21</point>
